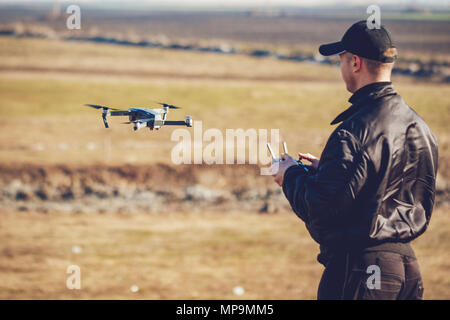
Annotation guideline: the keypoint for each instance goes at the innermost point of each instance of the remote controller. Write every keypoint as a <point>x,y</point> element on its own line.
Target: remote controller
<point>275,160</point>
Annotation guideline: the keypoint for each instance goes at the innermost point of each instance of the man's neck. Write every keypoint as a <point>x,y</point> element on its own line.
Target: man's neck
<point>366,81</point>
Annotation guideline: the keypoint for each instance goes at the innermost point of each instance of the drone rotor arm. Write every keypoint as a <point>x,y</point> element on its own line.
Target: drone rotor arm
<point>139,121</point>
<point>174,123</point>
<point>187,123</point>
<point>120,113</point>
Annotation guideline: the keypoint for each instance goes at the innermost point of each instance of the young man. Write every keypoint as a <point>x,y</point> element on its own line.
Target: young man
<point>372,191</point>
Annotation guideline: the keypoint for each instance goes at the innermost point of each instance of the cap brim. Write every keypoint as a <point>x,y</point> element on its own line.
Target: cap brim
<point>332,49</point>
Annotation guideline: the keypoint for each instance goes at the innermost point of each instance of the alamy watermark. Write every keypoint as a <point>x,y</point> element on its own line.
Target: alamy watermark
<point>374,280</point>
<point>74,280</point>
<point>74,19</point>
<point>236,146</point>
<point>374,20</point>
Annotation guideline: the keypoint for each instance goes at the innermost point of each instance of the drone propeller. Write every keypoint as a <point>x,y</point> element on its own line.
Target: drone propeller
<point>168,105</point>
<point>104,113</point>
<point>96,106</point>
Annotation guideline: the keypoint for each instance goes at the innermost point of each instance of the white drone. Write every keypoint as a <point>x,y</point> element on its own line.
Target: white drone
<point>144,117</point>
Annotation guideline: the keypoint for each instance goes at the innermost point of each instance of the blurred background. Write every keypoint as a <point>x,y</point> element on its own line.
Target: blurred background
<point>112,202</point>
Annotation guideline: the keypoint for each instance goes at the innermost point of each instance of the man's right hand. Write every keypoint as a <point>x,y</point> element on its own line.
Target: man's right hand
<point>314,160</point>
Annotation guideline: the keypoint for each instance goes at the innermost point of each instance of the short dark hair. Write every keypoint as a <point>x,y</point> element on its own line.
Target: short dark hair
<point>377,66</point>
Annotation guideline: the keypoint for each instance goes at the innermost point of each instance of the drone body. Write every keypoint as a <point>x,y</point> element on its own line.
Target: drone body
<point>144,117</point>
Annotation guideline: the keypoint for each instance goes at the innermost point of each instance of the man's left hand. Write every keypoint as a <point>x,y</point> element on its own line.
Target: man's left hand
<point>279,168</point>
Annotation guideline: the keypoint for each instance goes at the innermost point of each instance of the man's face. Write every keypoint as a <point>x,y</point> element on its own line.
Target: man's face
<point>347,71</point>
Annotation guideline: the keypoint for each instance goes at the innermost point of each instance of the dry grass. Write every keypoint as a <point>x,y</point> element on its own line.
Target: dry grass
<point>47,82</point>
<point>97,59</point>
<point>180,256</point>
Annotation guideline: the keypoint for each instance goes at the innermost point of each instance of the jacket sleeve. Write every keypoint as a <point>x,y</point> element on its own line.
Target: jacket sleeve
<point>324,198</point>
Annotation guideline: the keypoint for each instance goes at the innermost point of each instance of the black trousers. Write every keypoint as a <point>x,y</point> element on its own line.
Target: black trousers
<point>376,275</point>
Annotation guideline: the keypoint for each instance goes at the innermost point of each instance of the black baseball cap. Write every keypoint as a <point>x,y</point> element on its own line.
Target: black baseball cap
<point>363,42</point>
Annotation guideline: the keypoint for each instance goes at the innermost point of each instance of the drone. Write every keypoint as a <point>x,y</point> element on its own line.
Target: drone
<point>143,117</point>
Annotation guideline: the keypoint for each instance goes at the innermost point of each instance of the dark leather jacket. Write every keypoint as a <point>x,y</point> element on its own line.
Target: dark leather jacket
<point>375,181</point>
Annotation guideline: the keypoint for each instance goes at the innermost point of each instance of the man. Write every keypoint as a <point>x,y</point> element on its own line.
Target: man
<point>372,190</point>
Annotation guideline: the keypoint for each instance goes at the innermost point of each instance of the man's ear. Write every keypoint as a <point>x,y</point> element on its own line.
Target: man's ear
<point>356,63</point>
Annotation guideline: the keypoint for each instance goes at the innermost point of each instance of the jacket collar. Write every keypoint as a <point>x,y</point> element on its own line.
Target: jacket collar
<point>363,95</point>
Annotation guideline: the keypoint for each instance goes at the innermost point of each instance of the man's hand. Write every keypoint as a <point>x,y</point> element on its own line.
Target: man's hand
<point>314,160</point>
<point>279,168</point>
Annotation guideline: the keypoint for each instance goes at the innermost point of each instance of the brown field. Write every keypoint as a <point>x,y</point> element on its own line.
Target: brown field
<point>66,181</point>
<point>47,82</point>
<point>180,256</point>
